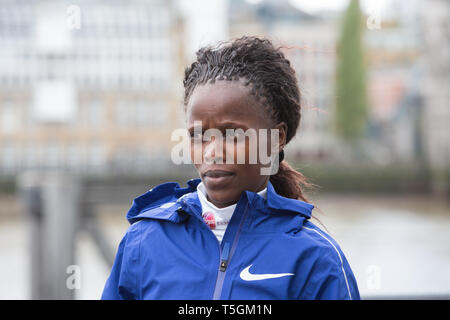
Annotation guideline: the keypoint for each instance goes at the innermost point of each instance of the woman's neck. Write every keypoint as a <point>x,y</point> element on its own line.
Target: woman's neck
<point>220,205</point>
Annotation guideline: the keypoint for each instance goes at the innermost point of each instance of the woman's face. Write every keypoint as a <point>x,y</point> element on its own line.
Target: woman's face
<point>228,105</point>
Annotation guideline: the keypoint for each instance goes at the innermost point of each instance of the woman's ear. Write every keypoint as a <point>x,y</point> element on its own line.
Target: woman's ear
<point>282,131</point>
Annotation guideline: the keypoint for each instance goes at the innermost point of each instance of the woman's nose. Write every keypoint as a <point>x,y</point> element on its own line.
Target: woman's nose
<point>213,151</point>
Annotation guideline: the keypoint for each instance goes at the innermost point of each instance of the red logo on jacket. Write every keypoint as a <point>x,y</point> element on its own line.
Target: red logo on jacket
<point>209,219</point>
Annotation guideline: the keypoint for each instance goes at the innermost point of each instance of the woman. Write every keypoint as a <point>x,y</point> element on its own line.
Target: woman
<point>235,233</point>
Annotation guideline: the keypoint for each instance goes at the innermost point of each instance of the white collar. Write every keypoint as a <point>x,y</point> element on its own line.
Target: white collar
<point>201,190</point>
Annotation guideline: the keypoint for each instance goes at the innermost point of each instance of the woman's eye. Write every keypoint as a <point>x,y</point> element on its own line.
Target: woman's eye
<point>197,136</point>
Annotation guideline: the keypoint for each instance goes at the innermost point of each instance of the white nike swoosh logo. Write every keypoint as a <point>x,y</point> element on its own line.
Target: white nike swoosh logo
<point>247,276</point>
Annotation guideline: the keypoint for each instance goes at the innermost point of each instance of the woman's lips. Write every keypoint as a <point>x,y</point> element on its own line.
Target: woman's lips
<point>217,173</point>
<point>217,178</point>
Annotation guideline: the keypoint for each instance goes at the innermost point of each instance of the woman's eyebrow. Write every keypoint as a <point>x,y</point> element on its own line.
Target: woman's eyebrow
<point>222,125</point>
<point>191,129</point>
<point>231,124</point>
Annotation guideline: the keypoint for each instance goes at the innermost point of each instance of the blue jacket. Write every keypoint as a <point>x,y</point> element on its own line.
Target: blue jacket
<point>270,250</point>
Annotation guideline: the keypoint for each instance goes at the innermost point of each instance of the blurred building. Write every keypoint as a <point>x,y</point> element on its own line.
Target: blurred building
<point>393,58</point>
<point>435,22</point>
<point>89,87</point>
<point>393,70</point>
<point>309,42</point>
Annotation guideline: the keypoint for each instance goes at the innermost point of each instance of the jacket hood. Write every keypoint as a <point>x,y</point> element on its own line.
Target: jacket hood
<point>159,202</point>
<point>163,202</point>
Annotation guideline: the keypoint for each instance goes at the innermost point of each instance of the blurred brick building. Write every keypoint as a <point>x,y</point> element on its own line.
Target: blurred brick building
<point>309,42</point>
<point>88,87</point>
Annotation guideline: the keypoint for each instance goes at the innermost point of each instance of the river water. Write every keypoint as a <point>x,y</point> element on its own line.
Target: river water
<point>398,246</point>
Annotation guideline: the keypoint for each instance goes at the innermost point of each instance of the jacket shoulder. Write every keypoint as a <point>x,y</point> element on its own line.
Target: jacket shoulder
<point>335,271</point>
<point>322,241</point>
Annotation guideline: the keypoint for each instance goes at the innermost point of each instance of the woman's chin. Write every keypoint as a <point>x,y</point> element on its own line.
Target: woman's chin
<point>221,198</point>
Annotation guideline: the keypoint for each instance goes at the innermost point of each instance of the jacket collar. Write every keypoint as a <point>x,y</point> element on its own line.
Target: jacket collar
<point>164,201</point>
<point>278,202</point>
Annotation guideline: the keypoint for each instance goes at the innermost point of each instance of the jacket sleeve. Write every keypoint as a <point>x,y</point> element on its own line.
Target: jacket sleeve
<point>332,279</point>
<point>122,283</point>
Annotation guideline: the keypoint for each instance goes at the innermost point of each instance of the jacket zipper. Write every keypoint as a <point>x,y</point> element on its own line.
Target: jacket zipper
<point>221,260</point>
<point>224,258</point>
<point>225,255</point>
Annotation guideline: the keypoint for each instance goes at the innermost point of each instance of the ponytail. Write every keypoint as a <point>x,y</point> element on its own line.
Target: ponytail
<point>290,183</point>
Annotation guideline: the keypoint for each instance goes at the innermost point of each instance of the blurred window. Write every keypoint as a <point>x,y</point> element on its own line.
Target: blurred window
<point>123,113</point>
<point>9,118</point>
<point>96,156</point>
<point>53,155</point>
<point>74,157</point>
<point>95,112</point>
<point>31,155</point>
<point>159,113</point>
<point>9,157</point>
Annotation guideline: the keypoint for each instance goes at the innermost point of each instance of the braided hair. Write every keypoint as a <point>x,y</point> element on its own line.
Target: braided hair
<point>272,82</point>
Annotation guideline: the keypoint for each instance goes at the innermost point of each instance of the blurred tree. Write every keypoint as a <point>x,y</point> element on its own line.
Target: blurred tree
<point>351,97</point>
